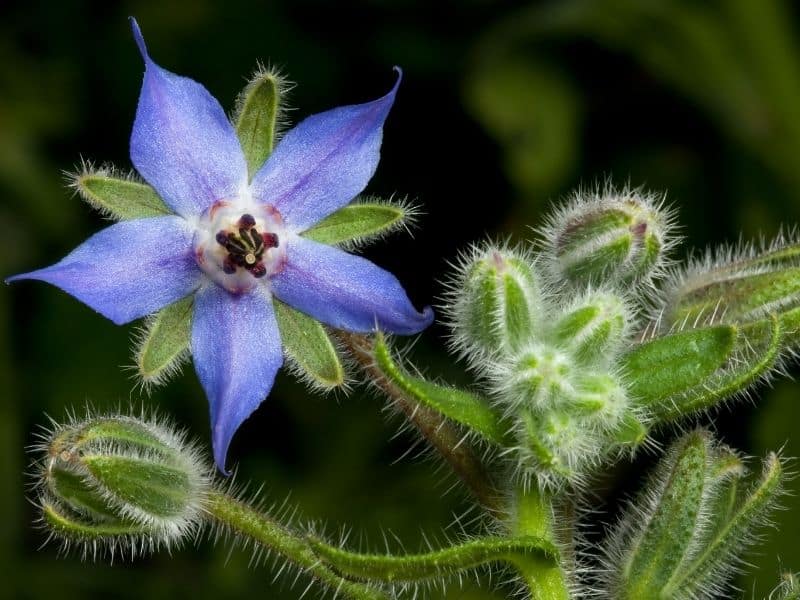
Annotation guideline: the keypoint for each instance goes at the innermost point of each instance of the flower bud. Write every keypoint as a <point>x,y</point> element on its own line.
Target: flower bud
<point>555,447</point>
<point>737,289</point>
<point>601,398</point>
<point>609,237</point>
<point>539,378</point>
<point>594,328</point>
<point>687,530</point>
<point>120,479</point>
<point>495,302</point>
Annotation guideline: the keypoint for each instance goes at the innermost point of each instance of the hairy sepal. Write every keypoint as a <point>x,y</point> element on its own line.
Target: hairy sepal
<point>162,344</point>
<point>363,221</point>
<point>115,195</point>
<point>312,352</point>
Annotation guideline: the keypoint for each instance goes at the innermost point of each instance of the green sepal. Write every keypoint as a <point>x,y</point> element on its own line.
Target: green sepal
<point>119,198</point>
<point>757,348</point>
<point>64,483</point>
<point>309,346</point>
<point>663,367</point>
<point>256,117</point>
<point>360,221</point>
<point>721,550</point>
<point>158,489</point>
<point>70,525</point>
<point>164,341</point>
<point>435,564</point>
<point>657,553</point>
<point>459,405</point>
<point>631,431</point>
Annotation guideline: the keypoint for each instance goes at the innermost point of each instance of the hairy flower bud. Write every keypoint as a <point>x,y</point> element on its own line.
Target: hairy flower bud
<point>736,287</point>
<point>683,535</point>
<point>119,480</point>
<point>594,328</point>
<point>608,237</point>
<point>540,378</point>
<point>494,302</point>
<point>555,447</point>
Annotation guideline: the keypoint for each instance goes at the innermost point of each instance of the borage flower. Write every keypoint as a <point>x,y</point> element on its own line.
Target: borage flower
<point>235,242</point>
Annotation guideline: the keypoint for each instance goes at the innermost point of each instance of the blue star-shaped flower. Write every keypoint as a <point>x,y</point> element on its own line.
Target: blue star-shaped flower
<point>235,243</point>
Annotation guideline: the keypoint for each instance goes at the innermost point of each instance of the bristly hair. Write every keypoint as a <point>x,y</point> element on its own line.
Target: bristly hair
<point>86,168</point>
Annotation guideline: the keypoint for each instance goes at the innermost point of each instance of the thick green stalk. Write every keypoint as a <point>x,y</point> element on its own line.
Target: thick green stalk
<point>532,515</point>
<point>246,521</point>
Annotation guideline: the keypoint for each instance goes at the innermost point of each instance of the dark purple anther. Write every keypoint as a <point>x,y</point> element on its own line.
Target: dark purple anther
<point>247,221</point>
<point>270,239</point>
<point>228,266</point>
<point>222,238</point>
<point>258,270</point>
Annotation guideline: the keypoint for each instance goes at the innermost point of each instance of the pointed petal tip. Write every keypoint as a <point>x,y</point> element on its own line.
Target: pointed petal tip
<point>221,442</point>
<point>139,39</point>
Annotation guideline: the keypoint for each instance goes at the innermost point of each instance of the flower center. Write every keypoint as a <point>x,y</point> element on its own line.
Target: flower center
<point>246,246</point>
<point>236,246</point>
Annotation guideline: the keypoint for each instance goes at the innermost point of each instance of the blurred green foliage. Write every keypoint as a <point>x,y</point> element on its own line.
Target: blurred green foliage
<point>505,106</point>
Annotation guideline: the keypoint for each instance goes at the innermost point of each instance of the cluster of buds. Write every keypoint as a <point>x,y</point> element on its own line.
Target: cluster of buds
<point>546,333</point>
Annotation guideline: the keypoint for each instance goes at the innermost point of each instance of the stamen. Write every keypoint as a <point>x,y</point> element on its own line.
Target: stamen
<point>270,239</point>
<point>258,270</point>
<point>247,221</point>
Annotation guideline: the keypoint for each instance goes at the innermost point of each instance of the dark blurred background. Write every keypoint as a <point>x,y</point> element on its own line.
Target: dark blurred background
<point>505,107</point>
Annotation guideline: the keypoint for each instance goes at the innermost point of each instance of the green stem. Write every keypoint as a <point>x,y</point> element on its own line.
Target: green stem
<point>532,515</point>
<point>246,521</point>
<point>437,563</point>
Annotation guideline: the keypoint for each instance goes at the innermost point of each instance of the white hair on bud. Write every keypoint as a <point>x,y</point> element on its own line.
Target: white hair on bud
<point>602,197</point>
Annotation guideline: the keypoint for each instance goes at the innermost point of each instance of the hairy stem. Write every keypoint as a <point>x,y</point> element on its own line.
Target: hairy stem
<point>435,428</point>
<point>532,514</point>
<point>245,521</point>
<point>436,563</point>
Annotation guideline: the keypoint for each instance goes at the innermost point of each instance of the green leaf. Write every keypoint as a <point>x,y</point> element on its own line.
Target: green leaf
<point>719,555</point>
<point>256,116</point>
<point>309,346</point>
<point>757,348</point>
<point>360,221</point>
<point>118,198</point>
<point>417,567</point>
<point>657,552</point>
<point>163,344</point>
<point>663,367</point>
<point>460,406</point>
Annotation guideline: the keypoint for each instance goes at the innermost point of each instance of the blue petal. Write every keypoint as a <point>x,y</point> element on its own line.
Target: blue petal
<point>345,291</point>
<point>236,349</point>
<point>182,142</point>
<point>128,270</point>
<point>324,162</point>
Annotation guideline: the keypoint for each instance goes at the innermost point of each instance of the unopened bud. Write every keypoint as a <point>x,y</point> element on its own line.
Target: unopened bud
<point>737,290</point>
<point>118,479</point>
<point>555,447</point>
<point>609,237</point>
<point>495,302</point>
<point>601,398</point>
<point>594,329</point>
<point>540,378</point>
